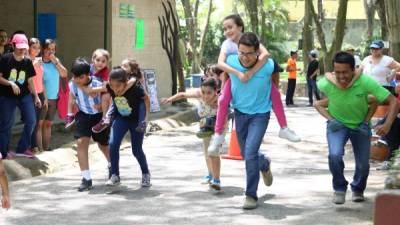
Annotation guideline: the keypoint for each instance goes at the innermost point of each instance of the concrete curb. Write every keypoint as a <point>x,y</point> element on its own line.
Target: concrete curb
<point>63,158</point>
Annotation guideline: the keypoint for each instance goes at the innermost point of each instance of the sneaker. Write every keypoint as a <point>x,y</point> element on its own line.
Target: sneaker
<point>86,185</point>
<point>289,135</point>
<point>357,197</point>
<point>384,166</point>
<point>146,180</point>
<point>207,179</point>
<point>69,121</point>
<point>215,144</point>
<point>339,197</point>
<point>141,128</point>
<point>11,155</point>
<point>100,126</point>
<point>216,184</point>
<point>28,153</point>
<point>250,203</point>
<point>267,175</point>
<point>113,181</point>
<point>204,133</point>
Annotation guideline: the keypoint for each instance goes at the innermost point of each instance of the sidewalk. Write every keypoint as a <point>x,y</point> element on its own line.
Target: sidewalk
<point>65,156</point>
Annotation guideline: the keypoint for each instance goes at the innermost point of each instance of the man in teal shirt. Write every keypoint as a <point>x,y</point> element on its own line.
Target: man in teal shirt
<point>348,118</point>
<point>252,105</point>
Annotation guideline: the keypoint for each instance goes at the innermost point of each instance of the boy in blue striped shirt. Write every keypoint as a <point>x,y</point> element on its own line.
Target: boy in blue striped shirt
<point>88,115</point>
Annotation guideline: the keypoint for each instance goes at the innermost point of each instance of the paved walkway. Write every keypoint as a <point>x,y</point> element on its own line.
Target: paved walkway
<point>301,193</point>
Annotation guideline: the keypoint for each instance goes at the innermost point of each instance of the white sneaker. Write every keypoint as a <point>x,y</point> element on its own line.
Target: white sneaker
<point>113,181</point>
<point>289,135</point>
<point>215,144</point>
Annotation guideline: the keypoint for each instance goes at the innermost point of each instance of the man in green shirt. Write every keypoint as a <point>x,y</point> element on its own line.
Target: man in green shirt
<point>348,118</point>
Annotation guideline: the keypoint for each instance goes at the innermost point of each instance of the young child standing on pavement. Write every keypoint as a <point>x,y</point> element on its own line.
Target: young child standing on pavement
<point>208,96</point>
<point>126,104</point>
<point>233,30</point>
<point>88,115</point>
<point>131,67</point>
<point>5,201</point>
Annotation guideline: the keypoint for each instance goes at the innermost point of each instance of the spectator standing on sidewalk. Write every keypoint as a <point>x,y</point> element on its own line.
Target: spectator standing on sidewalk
<point>312,73</point>
<point>16,85</point>
<point>350,120</point>
<point>291,68</point>
<point>52,71</point>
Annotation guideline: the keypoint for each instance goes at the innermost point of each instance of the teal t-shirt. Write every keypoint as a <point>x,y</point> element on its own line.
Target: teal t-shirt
<point>51,78</point>
<point>350,106</point>
<point>254,96</point>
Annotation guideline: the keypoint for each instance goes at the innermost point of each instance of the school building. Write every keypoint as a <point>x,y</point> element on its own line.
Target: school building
<point>127,28</point>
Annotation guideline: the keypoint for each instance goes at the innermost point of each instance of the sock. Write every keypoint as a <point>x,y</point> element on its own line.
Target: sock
<point>70,114</point>
<point>86,174</point>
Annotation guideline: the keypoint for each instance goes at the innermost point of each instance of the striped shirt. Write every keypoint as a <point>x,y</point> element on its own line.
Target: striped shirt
<point>85,102</point>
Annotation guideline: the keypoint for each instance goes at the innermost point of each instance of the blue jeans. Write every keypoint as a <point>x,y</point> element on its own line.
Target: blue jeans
<point>118,130</point>
<point>250,129</point>
<point>7,117</point>
<point>142,111</point>
<point>312,87</point>
<point>361,147</point>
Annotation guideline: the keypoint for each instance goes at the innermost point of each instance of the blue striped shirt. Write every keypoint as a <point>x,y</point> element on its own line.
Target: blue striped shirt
<point>85,102</point>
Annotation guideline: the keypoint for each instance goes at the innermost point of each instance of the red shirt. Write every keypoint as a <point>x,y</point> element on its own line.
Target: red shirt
<point>102,74</point>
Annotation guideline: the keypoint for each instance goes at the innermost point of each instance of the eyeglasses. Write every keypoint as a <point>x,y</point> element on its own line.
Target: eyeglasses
<point>248,54</point>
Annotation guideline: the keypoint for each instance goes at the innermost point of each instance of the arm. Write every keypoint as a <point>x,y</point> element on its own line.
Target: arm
<point>31,86</point>
<point>147,104</point>
<point>373,105</point>
<point>60,68</point>
<point>13,85</point>
<point>262,59</point>
<point>391,115</point>
<point>71,103</point>
<point>225,67</point>
<point>5,201</point>
<point>314,74</point>
<point>275,79</point>
<point>93,91</point>
<point>321,107</point>
<point>181,95</point>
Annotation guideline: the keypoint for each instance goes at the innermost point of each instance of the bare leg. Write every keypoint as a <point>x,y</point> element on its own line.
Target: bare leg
<point>215,166</point>
<point>46,134</point>
<point>39,136</point>
<point>206,143</point>
<point>83,148</point>
<point>105,103</point>
<point>105,150</point>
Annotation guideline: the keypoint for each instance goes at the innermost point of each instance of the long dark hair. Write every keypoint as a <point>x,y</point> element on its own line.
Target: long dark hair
<point>118,74</point>
<point>236,19</point>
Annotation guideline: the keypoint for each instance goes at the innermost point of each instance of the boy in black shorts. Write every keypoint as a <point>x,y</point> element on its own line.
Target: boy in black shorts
<point>89,114</point>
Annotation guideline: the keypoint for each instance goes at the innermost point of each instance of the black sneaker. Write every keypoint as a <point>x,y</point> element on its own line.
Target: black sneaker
<point>86,185</point>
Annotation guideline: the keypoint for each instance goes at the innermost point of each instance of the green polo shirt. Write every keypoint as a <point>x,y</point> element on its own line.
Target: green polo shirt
<point>350,106</point>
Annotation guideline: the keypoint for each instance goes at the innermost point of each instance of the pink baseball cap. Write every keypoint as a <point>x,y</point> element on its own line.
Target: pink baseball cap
<point>20,41</point>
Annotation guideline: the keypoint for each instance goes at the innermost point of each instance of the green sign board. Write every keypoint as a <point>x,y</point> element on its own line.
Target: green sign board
<point>139,33</point>
<point>126,11</point>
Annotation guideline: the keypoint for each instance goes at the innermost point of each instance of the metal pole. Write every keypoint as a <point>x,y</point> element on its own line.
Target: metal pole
<point>35,21</point>
<point>105,23</point>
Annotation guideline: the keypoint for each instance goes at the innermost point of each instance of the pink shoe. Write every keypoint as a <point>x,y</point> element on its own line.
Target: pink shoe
<point>100,126</point>
<point>10,155</point>
<point>69,121</point>
<point>28,153</point>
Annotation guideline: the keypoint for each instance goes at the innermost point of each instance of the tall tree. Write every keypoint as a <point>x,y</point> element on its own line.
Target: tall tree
<point>169,28</point>
<point>251,7</point>
<point>307,32</point>
<point>191,11</point>
<point>369,7</point>
<point>338,36</point>
<point>380,8</point>
<point>393,20</point>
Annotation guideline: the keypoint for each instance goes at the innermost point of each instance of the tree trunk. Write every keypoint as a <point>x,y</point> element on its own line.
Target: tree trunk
<point>369,8</point>
<point>321,14</point>
<point>252,11</point>
<point>191,24</point>
<point>205,30</point>
<point>338,36</point>
<point>380,8</point>
<point>393,20</point>
<point>263,35</point>
<point>307,33</point>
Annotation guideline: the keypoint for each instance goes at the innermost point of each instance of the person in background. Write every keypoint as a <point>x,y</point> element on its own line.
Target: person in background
<point>312,73</point>
<point>52,71</point>
<point>291,68</point>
